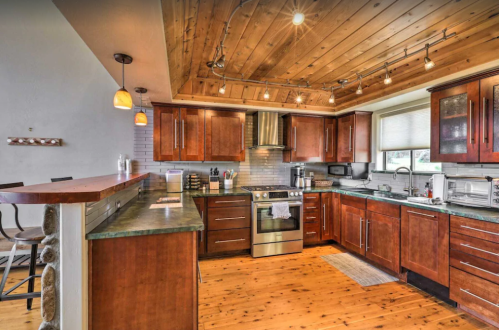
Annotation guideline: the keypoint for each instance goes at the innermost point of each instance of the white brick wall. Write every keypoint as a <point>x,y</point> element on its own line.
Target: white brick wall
<point>260,166</point>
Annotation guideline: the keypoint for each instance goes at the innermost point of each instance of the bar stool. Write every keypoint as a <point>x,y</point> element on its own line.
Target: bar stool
<point>33,237</point>
<point>67,178</point>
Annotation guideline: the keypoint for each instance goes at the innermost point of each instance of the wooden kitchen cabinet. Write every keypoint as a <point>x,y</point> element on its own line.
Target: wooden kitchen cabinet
<point>336,217</point>
<point>489,132</point>
<point>178,134</point>
<point>455,124</point>
<point>304,139</point>
<point>354,138</point>
<point>383,240</point>
<point>201,206</point>
<point>225,135</point>
<point>327,224</point>
<point>330,140</point>
<point>353,228</point>
<point>425,243</point>
<point>320,217</point>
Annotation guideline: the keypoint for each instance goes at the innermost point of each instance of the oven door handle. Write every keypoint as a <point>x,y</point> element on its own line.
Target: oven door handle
<point>262,205</point>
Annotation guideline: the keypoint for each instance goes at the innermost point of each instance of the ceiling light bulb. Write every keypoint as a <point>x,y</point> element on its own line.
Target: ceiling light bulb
<point>359,89</point>
<point>222,89</point>
<point>331,98</point>
<point>428,64</point>
<point>388,80</point>
<point>298,98</point>
<point>140,118</point>
<point>266,95</point>
<point>298,18</point>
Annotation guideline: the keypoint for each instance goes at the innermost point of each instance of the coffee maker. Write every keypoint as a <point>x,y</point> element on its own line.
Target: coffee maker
<point>298,177</point>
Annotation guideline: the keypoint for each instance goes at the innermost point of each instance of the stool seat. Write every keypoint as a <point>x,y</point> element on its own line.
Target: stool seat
<point>32,234</point>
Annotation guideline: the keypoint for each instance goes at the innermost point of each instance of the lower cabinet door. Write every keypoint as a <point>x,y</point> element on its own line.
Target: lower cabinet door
<point>425,243</point>
<point>383,240</point>
<point>326,216</point>
<point>201,206</point>
<point>229,240</point>
<point>353,229</point>
<point>336,211</point>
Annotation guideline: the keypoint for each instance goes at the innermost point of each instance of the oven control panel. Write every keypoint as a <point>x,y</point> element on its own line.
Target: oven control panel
<point>271,196</point>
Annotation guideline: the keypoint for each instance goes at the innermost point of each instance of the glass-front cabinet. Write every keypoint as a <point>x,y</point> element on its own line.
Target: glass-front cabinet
<point>455,120</point>
<point>489,113</point>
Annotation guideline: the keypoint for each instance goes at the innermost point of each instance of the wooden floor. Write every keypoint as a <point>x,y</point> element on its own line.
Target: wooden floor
<point>302,291</point>
<point>298,291</point>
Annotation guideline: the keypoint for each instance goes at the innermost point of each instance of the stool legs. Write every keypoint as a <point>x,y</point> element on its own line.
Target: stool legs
<point>7,269</point>
<point>32,271</point>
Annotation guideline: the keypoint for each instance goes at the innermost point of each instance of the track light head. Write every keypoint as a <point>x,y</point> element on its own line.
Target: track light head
<point>221,62</point>
<point>388,79</point>
<point>299,98</point>
<point>331,98</point>
<point>359,89</point>
<point>222,89</point>
<point>428,63</point>
<point>266,95</point>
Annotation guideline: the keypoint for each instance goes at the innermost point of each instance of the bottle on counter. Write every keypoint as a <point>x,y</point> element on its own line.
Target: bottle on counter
<point>428,190</point>
<point>121,164</point>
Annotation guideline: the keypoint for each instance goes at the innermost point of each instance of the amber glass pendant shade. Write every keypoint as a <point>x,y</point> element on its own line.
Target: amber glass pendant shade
<point>140,119</point>
<point>123,99</point>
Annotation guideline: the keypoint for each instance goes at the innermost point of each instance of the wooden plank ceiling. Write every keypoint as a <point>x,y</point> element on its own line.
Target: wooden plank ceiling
<point>338,39</point>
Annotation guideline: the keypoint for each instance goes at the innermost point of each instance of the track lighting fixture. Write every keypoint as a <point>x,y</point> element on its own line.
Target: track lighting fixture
<point>140,117</point>
<point>388,79</point>
<point>331,98</point>
<point>359,89</point>
<point>266,95</point>
<point>428,64</point>
<point>222,89</point>
<point>123,99</point>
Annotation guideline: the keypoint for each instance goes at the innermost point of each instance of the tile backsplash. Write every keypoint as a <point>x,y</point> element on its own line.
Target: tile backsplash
<point>261,167</point>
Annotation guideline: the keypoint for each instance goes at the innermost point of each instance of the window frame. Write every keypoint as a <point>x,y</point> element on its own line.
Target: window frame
<point>411,167</point>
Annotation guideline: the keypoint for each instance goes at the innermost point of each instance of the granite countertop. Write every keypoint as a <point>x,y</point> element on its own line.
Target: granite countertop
<point>136,219</point>
<point>478,213</point>
<point>221,192</point>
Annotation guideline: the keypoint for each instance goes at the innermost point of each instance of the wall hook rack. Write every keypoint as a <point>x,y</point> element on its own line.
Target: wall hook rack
<point>31,141</point>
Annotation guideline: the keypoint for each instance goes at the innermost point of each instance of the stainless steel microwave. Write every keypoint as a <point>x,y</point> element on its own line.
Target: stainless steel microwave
<point>357,171</point>
<point>472,191</point>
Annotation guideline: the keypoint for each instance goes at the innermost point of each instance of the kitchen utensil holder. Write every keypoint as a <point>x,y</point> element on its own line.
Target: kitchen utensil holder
<point>228,183</point>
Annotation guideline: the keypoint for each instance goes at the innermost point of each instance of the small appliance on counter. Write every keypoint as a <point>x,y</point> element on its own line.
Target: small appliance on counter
<point>357,171</point>
<point>298,177</point>
<point>175,181</point>
<point>477,191</point>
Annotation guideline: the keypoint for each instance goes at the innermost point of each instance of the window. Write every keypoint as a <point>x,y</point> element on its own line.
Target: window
<point>405,140</point>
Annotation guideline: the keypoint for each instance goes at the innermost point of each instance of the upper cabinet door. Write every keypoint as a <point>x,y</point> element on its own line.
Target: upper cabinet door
<point>455,122</point>
<point>191,134</point>
<point>330,140</point>
<point>166,134</point>
<point>307,139</point>
<point>225,135</point>
<point>346,127</point>
<point>489,119</point>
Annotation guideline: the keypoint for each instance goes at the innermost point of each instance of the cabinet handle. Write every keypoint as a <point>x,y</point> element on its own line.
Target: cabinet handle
<point>481,269</point>
<point>175,133</point>
<point>361,232</point>
<point>472,130</point>
<point>242,134</point>
<point>367,234</point>
<point>202,231</point>
<point>221,219</point>
<point>480,230</point>
<point>183,134</point>
<point>310,217</point>
<point>295,137</point>
<point>311,232</point>
<point>481,250</point>
<point>237,201</point>
<point>478,297</point>
<point>485,115</point>
<point>324,214</point>
<point>426,215</point>
<point>231,240</point>
<point>310,197</point>
<point>327,137</point>
<point>350,139</point>
<point>311,207</point>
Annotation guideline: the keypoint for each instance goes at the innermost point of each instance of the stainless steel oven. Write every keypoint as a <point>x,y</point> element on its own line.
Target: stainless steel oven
<point>271,236</point>
<point>472,191</point>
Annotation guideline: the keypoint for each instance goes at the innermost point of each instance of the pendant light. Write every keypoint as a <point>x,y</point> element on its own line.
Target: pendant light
<point>331,98</point>
<point>359,89</point>
<point>123,99</point>
<point>428,64</point>
<point>266,95</point>
<point>388,79</point>
<point>222,89</point>
<point>140,117</point>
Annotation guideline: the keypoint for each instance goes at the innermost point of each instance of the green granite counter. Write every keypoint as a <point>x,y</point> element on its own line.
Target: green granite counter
<point>484,214</point>
<point>137,219</point>
<point>222,192</point>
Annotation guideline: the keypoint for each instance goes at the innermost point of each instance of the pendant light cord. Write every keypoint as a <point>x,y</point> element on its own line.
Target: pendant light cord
<point>123,73</point>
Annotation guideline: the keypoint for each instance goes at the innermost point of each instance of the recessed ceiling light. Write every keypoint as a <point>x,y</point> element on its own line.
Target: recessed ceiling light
<point>298,18</point>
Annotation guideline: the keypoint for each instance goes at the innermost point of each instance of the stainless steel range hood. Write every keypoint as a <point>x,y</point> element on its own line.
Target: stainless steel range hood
<point>266,130</point>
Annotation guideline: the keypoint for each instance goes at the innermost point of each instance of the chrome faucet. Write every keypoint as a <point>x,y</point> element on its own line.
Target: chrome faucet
<point>411,183</point>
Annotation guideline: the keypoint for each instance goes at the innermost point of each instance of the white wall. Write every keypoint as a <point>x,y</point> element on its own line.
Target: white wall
<point>51,81</point>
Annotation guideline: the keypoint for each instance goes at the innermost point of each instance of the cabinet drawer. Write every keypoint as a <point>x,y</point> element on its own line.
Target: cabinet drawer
<point>229,201</point>
<point>474,246</point>
<point>480,229</point>
<point>312,198</point>
<point>391,210</point>
<point>312,216</point>
<point>357,202</point>
<point>475,293</point>
<point>474,265</point>
<point>311,208</point>
<point>311,232</point>
<point>229,218</point>
<point>229,240</point>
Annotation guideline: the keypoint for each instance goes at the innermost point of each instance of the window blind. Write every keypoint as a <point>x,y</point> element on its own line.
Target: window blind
<point>407,130</point>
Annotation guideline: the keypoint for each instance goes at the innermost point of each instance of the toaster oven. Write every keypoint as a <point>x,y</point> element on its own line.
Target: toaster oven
<point>472,191</point>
